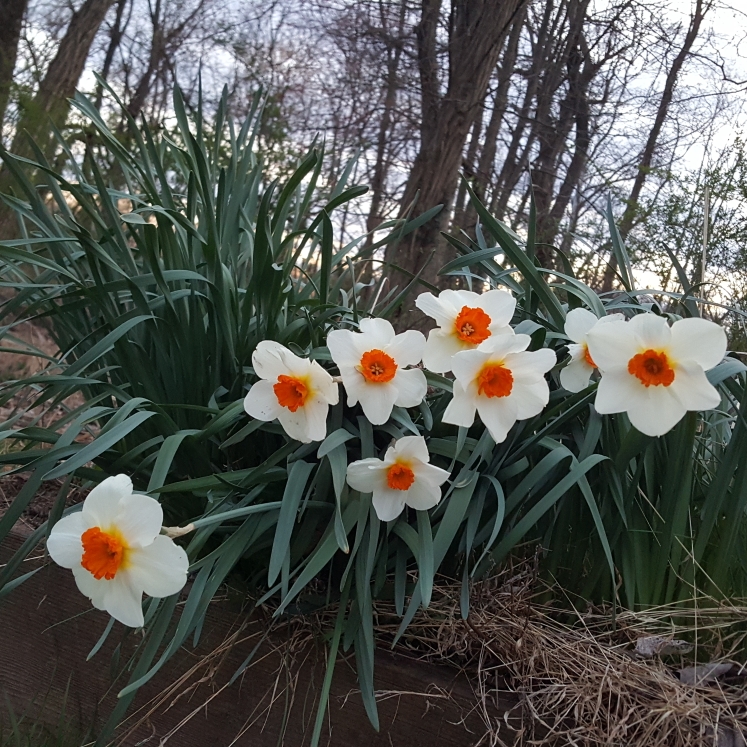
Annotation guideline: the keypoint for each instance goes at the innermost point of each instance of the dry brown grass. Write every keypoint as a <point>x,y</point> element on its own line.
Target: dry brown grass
<point>577,675</point>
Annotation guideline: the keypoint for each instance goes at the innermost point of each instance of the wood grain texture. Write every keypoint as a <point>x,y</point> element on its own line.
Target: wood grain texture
<point>48,630</point>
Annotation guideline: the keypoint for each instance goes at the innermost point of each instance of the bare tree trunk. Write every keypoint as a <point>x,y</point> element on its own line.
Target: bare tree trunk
<point>381,167</point>
<point>626,224</point>
<point>154,60</point>
<point>513,165</point>
<point>11,21</point>
<point>476,33</point>
<point>58,85</point>
<point>115,39</point>
<point>60,80</point>
<point>486,162</point>
<point>469,167</point>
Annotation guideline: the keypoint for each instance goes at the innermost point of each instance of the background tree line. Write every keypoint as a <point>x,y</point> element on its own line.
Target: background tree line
<point>562,101</point>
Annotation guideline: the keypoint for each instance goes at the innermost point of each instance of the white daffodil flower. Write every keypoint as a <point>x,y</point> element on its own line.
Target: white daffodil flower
<point>502,382</point>
<point>654,372</point>
<point>465,320</point>
<point>296,391</point>
<point>116,552</point>
<point>402,478</point>
<point>372,366</point>
<point>577,374</point>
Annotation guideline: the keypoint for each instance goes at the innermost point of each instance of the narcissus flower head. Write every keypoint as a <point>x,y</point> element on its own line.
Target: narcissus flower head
<point>576,375</point>
<point>465,320</point>
<point>116,552</point>
<point>654,372</point>
<point>500,381</point>
<point>372,366</point>
<point>402,478</point>
<point>296,391</point>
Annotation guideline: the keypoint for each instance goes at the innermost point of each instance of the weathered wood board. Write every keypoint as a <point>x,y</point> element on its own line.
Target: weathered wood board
<point>48,629</point>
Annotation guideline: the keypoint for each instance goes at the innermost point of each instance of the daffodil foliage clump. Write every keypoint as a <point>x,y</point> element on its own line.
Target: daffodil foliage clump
<point>242,404</point>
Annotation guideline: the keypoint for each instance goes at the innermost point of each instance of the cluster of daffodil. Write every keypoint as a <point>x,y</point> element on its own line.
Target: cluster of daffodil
<point>653,372</point>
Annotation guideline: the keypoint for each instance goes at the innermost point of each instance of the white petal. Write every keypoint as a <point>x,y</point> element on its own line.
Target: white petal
<point>377,399</point>
<point>296,425</point>
<point>698,340</point>
<point>411,387</point>
<point>617,388</point>
<point>440,349</point>
<point>380,332</point>
<point>324,384</point>
<point>499,305</point>
<point>64,544</point>
<point>261,402</point>
<point>576,375</point>
<point>353,381</point>
<point>692,388</point>
<point>443,313</point>
<point>657,411</point>
<point>409,447</point>
<point>124,601</point>
<point>458,299</point>
<point>498,414</point>
<point>101,506</point>
<point>344,348</point>
<point>422,495</point>
<point>578,322</point>
<point>531,364</point>
<point>530,398</point>
<point>461,409</point>
<point>407,348</point>
<point>367,475</point>
<point>388,503</point>
<point>429,473</point>
<point>652,331</point>
<point>269,359</point>
<point>115,596</point>
<point>315,410</point>
<point>499,346</point>
<point>467,364</point>
<point>160,569</point>
<point>139,520</point>
<point>612,344</point>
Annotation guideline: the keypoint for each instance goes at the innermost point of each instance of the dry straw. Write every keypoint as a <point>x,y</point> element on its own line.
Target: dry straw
<point>577,678</point>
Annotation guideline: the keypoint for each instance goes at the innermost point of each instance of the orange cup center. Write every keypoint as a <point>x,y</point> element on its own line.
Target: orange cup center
<point>471,325</point>
<point>291,392</point>
<point>103,553</point>
<point>495,380</point>
<point>377,367</point>
<point>400,477</point>
<point>588,358</point>
<point>651,368</point>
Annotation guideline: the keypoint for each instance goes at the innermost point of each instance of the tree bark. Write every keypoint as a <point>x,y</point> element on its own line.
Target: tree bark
<point>647,156</point>
<point>116,33</point>
<point>381,167</point>
<point>11,22</point>
<point>60,80</point>
<point>476,33</point>
<point>50,104</point>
